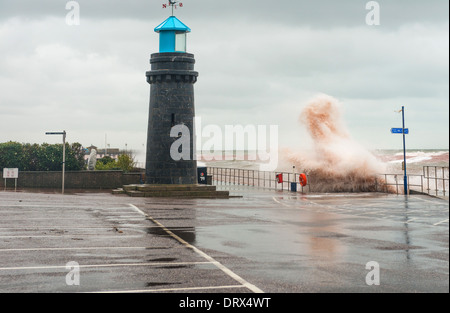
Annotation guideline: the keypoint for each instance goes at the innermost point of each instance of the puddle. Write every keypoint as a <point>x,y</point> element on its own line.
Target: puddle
<point>185,233</point>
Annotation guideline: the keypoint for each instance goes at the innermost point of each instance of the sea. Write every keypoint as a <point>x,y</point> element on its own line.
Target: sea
<point>423,166</point>
<point>416,160</point>
<point>420,164</point>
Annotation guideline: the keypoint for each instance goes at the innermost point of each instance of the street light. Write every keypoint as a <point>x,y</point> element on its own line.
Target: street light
<point>63,133</point>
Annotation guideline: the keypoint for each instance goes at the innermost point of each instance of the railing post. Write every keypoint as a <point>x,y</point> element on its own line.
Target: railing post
<point>421,183</point>
<point>443,180</point>
<point>436,180</point>
<point>408,188</point>
<point>385,182</point>
<point>396,183</point>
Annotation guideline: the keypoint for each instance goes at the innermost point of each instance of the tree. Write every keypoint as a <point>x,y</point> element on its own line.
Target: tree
<point>75,157</point>
<point>106,164</point>
<point>124,162</point>
<point>43,157</point>
<point>11,155</point>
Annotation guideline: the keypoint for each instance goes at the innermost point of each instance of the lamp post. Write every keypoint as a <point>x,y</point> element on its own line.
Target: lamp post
<point>63,133</point>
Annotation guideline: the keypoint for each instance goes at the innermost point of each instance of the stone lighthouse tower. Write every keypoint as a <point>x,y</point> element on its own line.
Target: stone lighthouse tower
<point>171,135</point>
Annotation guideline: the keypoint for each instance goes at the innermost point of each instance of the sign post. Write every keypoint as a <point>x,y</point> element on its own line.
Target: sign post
<point>404,131</point>
<point>405,178</point>
<point>11,173</point>
<point>399,131</point>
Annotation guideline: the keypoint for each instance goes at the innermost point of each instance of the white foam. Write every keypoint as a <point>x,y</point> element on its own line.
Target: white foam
<point>417,159</point>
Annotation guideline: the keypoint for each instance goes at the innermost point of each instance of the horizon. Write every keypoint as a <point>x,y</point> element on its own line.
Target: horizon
<point>234,150</point>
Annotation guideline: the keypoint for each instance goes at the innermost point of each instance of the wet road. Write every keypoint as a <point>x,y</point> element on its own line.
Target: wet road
<point>265,241</point>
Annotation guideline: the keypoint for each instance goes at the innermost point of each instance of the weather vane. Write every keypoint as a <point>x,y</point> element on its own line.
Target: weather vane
<point>173,4</point>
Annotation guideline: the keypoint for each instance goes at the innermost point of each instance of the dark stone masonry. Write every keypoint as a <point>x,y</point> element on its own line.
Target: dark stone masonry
<point>172,78</point>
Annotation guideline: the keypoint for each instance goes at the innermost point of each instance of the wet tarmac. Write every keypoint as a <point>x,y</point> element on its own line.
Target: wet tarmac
<point>269,241</point>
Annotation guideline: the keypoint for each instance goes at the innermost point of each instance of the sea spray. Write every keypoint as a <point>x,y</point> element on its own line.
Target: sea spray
<point>336,162</point>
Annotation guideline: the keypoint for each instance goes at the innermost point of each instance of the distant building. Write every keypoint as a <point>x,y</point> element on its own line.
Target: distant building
<point>111,152</point>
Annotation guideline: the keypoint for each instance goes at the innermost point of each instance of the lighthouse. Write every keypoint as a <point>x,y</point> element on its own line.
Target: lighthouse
<point>171,151</point>
<point>171,165</point>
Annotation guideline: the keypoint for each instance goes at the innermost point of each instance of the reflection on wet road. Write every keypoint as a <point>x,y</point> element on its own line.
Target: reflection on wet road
<point>321,243</point>
<point>264,241</point>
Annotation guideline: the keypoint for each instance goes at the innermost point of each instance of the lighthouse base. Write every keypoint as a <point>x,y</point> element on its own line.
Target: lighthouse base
<point>174,191</point>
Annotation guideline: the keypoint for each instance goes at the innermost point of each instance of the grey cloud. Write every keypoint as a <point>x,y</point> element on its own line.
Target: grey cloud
<point>259,61</point>
<point>318,13</point>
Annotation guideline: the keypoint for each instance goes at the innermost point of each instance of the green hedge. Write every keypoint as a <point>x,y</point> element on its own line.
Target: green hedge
<point>45,157</point>
<point>124,162</point>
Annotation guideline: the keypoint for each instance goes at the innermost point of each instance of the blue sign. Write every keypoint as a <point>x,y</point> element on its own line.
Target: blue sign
<point>399,131</point>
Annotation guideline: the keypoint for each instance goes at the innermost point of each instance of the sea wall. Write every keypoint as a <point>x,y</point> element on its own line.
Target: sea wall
<point>73,180</point>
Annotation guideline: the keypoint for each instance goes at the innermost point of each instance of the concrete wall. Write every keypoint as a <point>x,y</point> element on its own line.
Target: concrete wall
<point>73,180</point>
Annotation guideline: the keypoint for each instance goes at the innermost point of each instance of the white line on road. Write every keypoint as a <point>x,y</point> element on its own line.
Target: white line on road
<point>47,206</point>
<point>102,265</point>
<point>121,236</point>
<point>174,289</point>
<point>441,222</point>
<point>279,202</point>
<point>60,228</point>
<point>201,253</point>
<point>427,200</point>
<point>80,248</point>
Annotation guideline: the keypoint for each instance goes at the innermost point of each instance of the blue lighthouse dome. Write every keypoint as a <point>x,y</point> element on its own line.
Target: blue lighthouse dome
<point>172,35</point>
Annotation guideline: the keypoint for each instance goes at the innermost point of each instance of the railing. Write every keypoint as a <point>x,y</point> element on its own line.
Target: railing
<point>395,183</point>
<point>434,181</point>
<point>254,178</point>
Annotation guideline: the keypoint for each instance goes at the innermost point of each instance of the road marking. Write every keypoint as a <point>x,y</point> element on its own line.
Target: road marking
<point>201,253</point>
<point>441,222</point>
<point>46,206</point>
<point>74,235</point>
<point>431,201</point>
<point>102,265</point>
<point>279,202</point>
<point>81,248</point>
<point>173,289</point>
<point>61,228</point>
<point>46,218</point>
<point>329,207</point>
<point>372,212</point>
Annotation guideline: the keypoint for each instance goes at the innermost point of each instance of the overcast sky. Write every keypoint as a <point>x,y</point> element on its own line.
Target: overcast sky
<point>259,63</point>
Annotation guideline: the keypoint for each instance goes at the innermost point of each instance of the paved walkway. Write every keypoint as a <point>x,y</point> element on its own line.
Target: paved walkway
<point>266,241</point>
